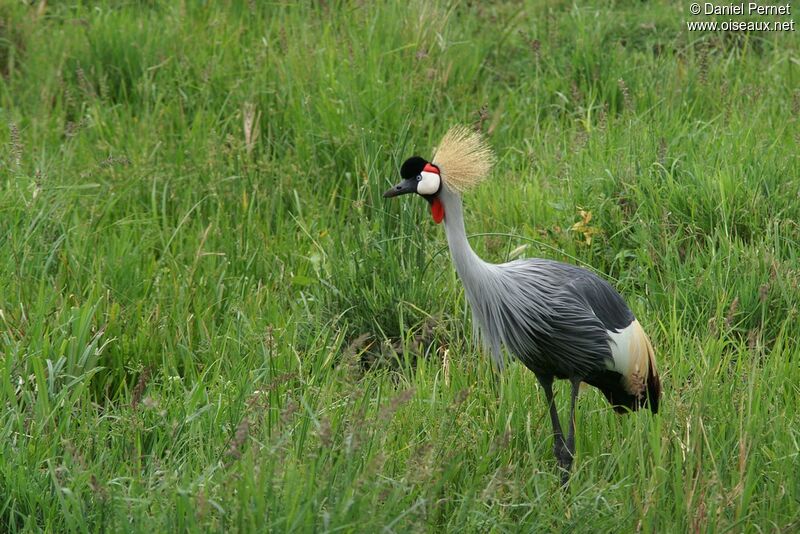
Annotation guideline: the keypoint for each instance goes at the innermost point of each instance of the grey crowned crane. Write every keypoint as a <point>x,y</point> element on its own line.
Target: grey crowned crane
<point>559,320</point>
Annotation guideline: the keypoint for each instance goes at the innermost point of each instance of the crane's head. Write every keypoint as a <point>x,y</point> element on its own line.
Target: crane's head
<point>423,178</point>
<point>461,162</point>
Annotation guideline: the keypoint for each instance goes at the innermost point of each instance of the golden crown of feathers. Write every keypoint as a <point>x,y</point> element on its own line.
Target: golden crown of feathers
<point>464,158</point>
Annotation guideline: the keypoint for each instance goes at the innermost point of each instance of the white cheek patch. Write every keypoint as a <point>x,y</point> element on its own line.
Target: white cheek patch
<point>429,183</point>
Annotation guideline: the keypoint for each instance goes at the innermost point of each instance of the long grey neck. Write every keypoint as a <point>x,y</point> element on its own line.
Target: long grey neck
<point>468,265</point>
<point>479,278</point>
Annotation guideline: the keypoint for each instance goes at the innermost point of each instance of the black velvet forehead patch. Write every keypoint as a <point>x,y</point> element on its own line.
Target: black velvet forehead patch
<point>412,167</point>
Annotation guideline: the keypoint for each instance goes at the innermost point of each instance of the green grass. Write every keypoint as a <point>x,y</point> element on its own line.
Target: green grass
<point>179,299</point>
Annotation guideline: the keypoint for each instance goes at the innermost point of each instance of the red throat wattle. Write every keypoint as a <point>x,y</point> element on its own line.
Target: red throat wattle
<point>437,210</point>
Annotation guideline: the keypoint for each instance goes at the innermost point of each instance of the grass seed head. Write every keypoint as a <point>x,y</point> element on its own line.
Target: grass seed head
<point>239,439</point>
<point>627,101</point>
<point>763,293</point>
<point>141,384</point>
<point>290,408</point>
<point>482,115</point>
<point>389,410</point>
<point>702,70</point>
<point>84,83</point>
<point>732,312</point>
<point>325,432</point>
<point>461,397</point>
<point>16,143</point>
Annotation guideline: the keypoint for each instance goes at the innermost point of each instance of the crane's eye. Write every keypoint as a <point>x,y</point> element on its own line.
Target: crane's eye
<point>419,177</point>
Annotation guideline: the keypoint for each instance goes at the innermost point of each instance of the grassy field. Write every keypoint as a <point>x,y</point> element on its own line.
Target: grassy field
<point>210,320</point>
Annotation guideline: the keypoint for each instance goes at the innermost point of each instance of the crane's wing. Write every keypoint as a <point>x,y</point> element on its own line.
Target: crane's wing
<point>601,297</point>
<point>632,378</point>
<point>575,323</point>
<point>550,328</point>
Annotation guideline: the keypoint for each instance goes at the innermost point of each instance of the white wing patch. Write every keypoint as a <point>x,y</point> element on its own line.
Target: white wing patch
<point>429,184</point>
<point>633,356</point>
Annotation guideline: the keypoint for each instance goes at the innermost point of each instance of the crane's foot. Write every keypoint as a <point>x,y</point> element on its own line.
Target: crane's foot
<point>564,478</point>
<point>564,457</point>
<point>566,471</point>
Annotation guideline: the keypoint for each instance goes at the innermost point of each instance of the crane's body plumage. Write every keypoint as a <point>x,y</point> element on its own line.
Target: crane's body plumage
<point>561,321</point>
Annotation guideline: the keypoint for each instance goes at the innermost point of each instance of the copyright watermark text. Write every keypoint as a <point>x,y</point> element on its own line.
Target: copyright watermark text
<point>778,17</point>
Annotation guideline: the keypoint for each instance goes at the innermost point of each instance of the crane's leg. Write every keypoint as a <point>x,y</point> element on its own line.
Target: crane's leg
<point>558,436</point>
<point>568,453</point>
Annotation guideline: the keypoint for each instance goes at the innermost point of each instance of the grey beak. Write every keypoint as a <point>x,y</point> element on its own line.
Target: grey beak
<point>403,188</point>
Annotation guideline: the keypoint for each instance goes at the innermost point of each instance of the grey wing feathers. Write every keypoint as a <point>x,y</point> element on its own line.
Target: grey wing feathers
<point>551,316</point>
<point>602,298</point>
